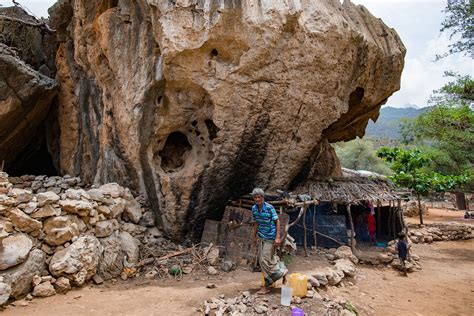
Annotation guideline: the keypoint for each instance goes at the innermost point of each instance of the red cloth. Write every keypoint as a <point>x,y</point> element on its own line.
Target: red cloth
<point>371,223</point>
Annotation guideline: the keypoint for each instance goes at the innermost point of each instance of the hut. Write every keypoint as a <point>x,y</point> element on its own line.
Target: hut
<point>344,204</point>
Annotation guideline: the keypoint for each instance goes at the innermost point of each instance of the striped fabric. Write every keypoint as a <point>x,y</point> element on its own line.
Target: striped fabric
<point>265,218</point>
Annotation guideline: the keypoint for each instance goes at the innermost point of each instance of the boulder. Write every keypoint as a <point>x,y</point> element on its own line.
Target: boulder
<point>321,277</point>
<point>23,222</point>
<point>46,211</point>
<point>21,195</point>
<point>61,229</point>
<point>334,278</point>
<point>131,247</point>
<point>78,262</point>
<point>20,277</point>
<point>79,207</point>
<point>5,290</point>
<point>44,289</point>
<point>111,259</point>
<point>47,198</point>
<point>106,228</point>
<point>148,219</point>
<point>385,257</point>
<point>62,285</point>
<point>112,190</point>
<point>313,281</point>
<point>345,252</point>
<point>77,194</point>
<point>134,211</point>
<point>167,132</point>
<point>345,266</point>
<point>14,250</point>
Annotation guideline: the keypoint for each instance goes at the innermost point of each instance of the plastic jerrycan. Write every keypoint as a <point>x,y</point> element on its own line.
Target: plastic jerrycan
<point>298,283</point>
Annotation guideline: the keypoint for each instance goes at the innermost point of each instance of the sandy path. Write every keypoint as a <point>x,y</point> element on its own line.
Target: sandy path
<point>445,285</point>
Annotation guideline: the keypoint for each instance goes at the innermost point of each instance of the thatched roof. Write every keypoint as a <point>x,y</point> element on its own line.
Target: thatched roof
<point>353,187</point>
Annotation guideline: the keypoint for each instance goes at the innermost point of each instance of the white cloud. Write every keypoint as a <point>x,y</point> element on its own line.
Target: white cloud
<point>38,7</point>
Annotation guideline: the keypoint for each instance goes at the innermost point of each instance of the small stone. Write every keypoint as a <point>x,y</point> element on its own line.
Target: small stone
<point>36,280</point>
<point>296,300</point>
<point>29,297</point>
<point>62,285</point>
<point>48,278</point>
<point>151,274</point>
<point>246,294</point>
<point>310,294</point>
<point>211,270</point>
<point>260,309</point>
<point>211,286</point>
<point>97,279</point>
<point>221,296</point>
<point>47,198</point>
<point>227,266</point>
<point>44,290</point>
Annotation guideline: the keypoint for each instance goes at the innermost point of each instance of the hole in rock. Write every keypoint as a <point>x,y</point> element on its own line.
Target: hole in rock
<point>211,128</point>
<point>173,153</point>
<point>214,52</point>
<point>160,98</point>
<point>194,123</point>
<point>356,97</point>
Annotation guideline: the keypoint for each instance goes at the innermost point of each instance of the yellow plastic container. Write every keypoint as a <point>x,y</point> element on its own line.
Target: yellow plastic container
<point>298,283</point>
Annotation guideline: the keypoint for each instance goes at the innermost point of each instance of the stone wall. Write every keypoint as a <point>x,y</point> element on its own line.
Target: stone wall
<point>439,232</point>
<point>55,233</point>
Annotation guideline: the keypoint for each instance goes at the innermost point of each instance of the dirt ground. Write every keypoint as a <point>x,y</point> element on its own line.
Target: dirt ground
<point>445,286</point>
<point>436,215</point>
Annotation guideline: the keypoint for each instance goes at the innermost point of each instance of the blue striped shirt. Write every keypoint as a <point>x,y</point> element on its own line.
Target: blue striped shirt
<point>265,219</point>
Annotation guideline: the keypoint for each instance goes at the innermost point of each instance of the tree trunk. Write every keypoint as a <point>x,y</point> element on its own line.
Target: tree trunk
<point>460,201</point>
<point>419,208</point>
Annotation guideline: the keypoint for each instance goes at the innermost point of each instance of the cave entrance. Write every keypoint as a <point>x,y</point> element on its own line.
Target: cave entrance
<point>174,152</point>
<point>35,159</point>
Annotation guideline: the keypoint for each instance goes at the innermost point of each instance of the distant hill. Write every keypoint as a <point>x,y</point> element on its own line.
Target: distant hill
<point>388,123</point>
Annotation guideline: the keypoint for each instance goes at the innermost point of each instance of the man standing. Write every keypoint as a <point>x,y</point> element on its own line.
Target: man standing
<point>267,235</point>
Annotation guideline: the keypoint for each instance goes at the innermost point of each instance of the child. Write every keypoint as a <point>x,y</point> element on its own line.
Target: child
<point>402,249</point>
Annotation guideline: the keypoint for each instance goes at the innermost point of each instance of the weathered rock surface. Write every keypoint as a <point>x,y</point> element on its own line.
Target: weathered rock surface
<point>111,259</point>
<point>5,290</point>
<point>23,222</point>
<point>78,262</point>
<point>19,278</point>
<point>210,98</point>
<point>14,250</point>
<point>44,290</point>
<point>61,229</point>
<point>130,246</point>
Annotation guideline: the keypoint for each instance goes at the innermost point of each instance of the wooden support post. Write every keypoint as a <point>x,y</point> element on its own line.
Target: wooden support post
<point>305,234</point>
<point>352,226</point>
<point>314,228</point>
<point>379,220</point>
<point>390,218</point>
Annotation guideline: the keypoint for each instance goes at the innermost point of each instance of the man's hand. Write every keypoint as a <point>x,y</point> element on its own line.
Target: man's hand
<point>277,241</point>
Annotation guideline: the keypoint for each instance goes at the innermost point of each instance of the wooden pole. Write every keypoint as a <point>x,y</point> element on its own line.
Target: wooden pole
<point>352,226</point>
<point>314,228</point>
<point>390,218</point>
<point>379,219</point>
<point>305,235</point>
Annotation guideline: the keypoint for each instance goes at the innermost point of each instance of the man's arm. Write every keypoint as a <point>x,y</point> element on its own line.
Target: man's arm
<point>277,239</point>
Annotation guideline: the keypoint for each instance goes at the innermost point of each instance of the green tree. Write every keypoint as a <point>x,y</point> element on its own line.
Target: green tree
<point>411,170</point>
<point>359,154</point>
<point>446,130</point>
<point>459,22</point>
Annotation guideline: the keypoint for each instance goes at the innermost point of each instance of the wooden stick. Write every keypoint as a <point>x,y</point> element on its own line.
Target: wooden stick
<point>314,228</point>
<point>352,225</point>
<point>328,237</point>
<point>174,254</point>
<point>305,235</point>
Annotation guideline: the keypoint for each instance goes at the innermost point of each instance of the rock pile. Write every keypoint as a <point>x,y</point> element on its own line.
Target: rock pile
<point>439,232</point>
<point>410,209</point>
<point>55,234</point>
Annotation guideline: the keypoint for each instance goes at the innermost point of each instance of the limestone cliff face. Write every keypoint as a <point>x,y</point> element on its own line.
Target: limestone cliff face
<point>195,101</point>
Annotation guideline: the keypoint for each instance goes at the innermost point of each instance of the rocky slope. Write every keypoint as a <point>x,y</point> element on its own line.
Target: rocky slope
<point>193,102</point>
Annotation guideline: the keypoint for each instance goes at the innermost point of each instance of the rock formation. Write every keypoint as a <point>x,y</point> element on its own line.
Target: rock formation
<point>192,102</point>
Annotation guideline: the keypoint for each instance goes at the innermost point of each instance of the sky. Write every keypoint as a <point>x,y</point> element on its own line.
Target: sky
<point>417,22</point>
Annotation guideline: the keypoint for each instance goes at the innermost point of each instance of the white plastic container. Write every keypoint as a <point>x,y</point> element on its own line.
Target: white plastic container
<point>286,293</point>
